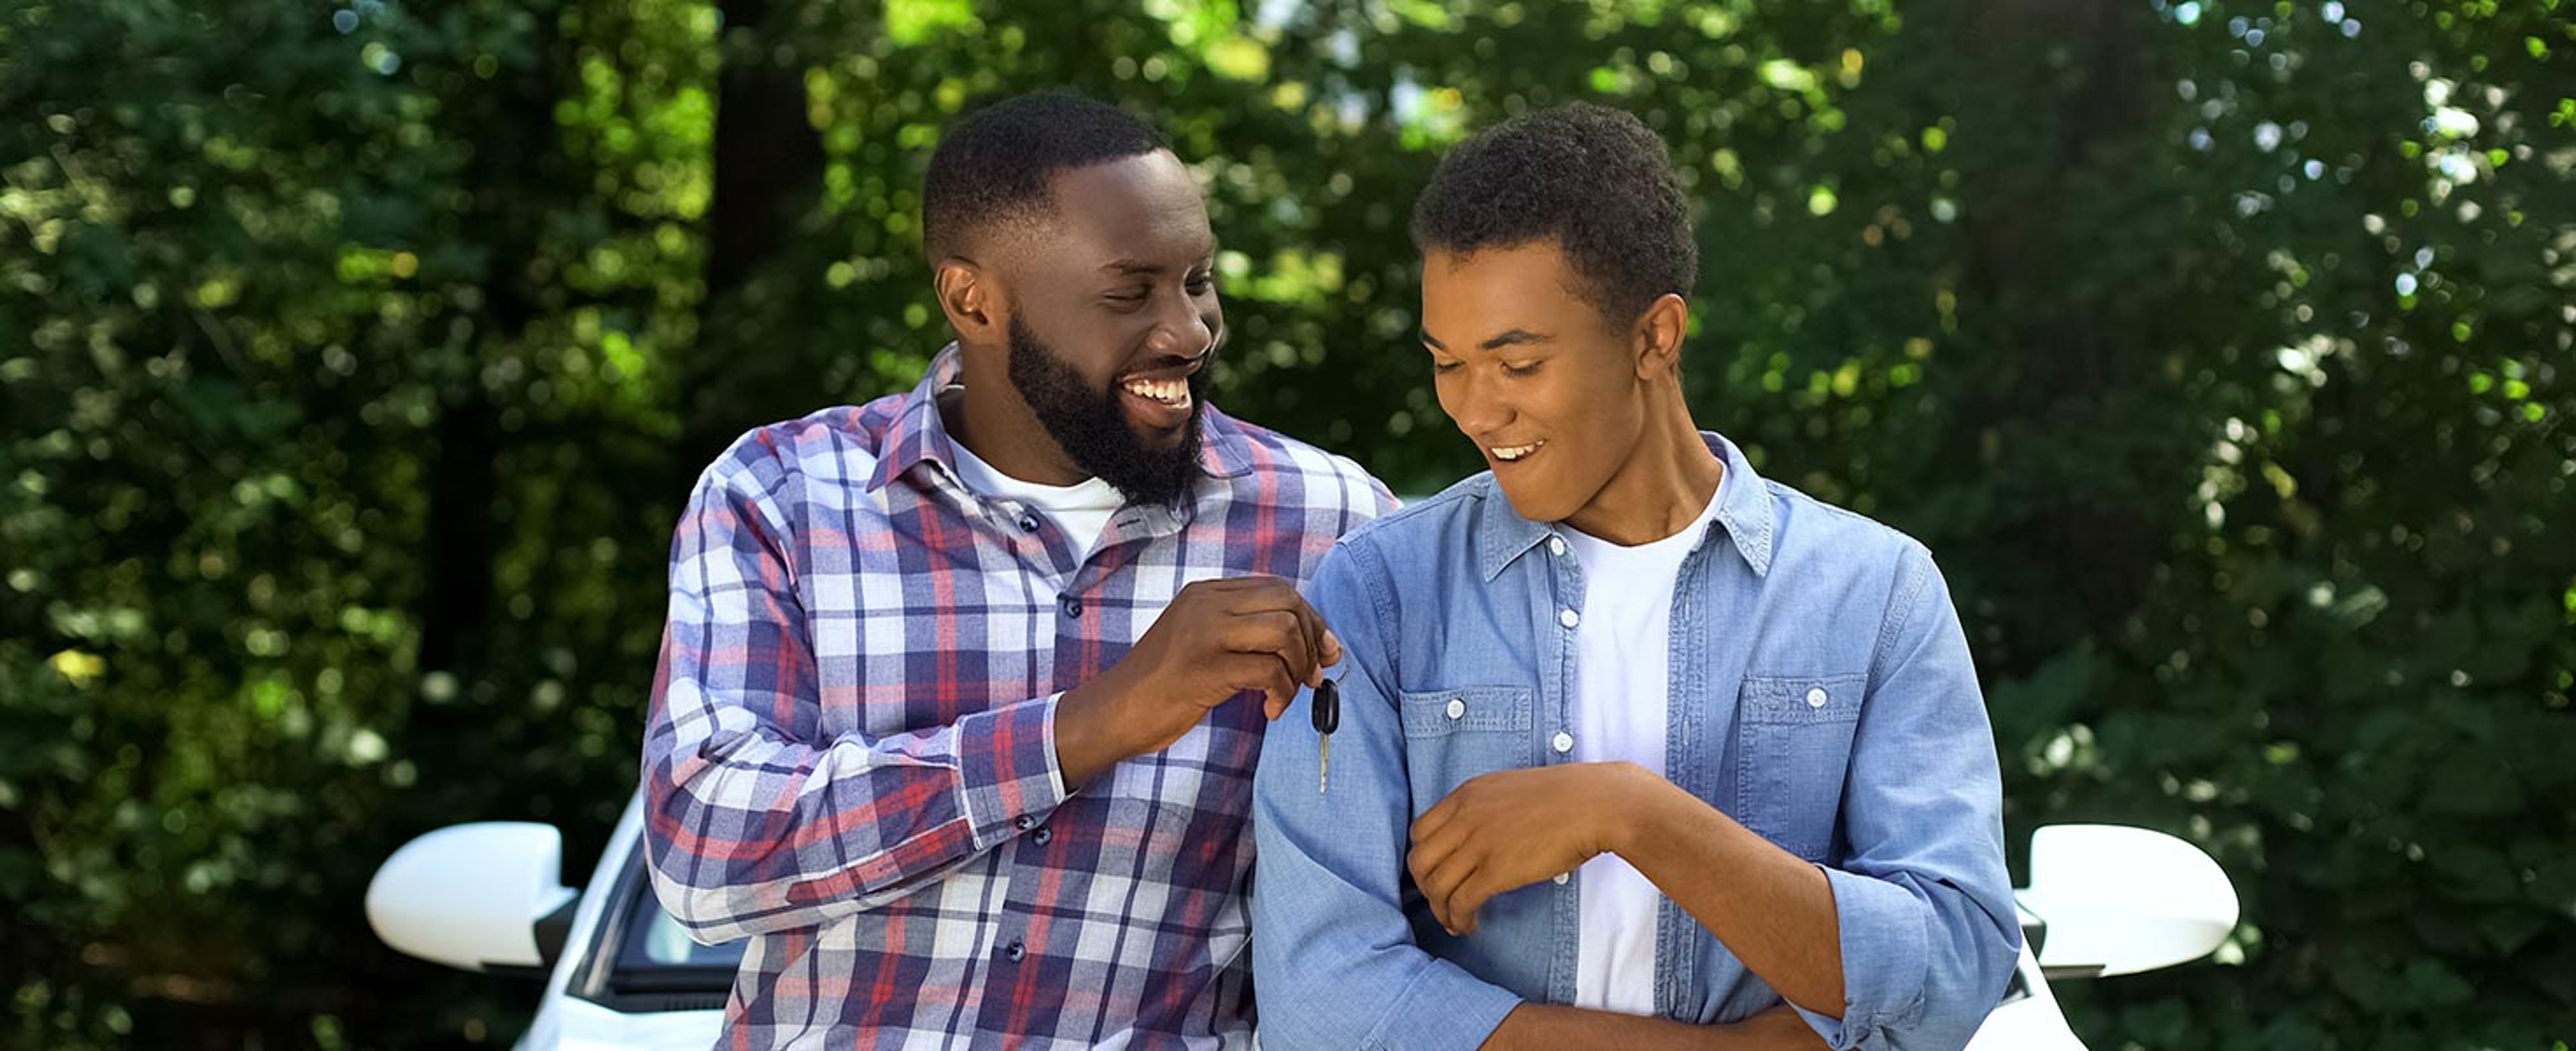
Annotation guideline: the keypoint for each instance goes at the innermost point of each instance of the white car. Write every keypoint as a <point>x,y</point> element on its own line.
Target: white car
<point>620,975</point>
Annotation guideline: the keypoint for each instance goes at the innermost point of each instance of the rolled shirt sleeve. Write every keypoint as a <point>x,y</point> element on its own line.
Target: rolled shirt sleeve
<point>1929,933</point>
<point>1334,962</point>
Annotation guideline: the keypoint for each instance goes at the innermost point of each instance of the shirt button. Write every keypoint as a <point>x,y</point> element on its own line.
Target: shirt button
<point>1073,607</point>
<point>1563,743</point>
<point>1457,708</point>
<point>1568,617</point>
<point>1556,545</point>
<point>1028,523</point>
<point>1043,835</point>
<point>1816,697</point>
<point>1563,878</point>
<point>1025,822</point>
<point>1015,951</point>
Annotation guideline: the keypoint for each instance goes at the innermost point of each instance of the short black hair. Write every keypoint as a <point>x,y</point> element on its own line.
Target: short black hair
<point>1591,178</point>
<point>994,166</point>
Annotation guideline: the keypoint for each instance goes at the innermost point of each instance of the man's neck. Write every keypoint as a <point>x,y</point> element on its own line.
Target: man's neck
<point>991,421</point>
<point>1668,480</point>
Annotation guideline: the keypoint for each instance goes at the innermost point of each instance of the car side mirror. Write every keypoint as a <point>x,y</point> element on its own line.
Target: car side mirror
<point>486,897</point>
<point>2122,900</point>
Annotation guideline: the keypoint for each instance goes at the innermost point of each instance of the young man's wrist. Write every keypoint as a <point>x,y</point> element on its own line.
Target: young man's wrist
<point>1645,813</point>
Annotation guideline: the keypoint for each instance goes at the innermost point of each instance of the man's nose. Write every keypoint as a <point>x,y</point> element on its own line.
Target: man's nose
<point>1181,330</point>
<point>1475,406</point>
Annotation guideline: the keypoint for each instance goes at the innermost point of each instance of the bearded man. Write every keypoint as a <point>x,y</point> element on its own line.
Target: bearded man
<point>962,689</point>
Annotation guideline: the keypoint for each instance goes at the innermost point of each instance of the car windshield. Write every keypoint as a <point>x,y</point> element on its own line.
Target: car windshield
<point>655,953</point>
<point>654,939</point>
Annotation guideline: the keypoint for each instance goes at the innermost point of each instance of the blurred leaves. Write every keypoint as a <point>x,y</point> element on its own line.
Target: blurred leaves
<point>354,357</point>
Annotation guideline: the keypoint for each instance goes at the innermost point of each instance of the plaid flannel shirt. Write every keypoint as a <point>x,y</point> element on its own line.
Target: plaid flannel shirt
<point>850,757</point>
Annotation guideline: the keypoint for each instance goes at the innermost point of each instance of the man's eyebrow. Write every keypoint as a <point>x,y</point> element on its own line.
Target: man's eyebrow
<point>1508,338</point>
<point>1147,268</point>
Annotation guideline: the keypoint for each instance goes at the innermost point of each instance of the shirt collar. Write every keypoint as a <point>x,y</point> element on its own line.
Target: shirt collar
<point>919,436</point>
<point>1743,516</point>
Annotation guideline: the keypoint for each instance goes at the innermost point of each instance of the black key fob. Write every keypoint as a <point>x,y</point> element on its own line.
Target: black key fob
<point>1328,707</point>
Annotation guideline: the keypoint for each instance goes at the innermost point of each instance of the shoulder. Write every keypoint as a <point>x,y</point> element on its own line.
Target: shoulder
<point>838,446</point>
<point>1287,470</point>
<point>1836,549</point>
<point>1436,522</point>
<point>1808,522</point>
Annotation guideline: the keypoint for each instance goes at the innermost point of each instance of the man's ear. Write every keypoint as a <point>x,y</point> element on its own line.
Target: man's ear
<point>1658,336</point>
<point>968,296</point>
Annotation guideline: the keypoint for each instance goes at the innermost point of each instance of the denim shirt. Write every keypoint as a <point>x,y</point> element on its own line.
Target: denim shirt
<point>1821,694</point>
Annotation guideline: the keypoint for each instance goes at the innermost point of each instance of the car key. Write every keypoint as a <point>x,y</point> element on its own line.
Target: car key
<point>1328,717</point>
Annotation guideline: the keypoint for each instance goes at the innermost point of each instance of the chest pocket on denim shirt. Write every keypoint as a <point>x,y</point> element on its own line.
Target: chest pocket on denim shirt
<point>1453,735</point>
<point>1795,738</point>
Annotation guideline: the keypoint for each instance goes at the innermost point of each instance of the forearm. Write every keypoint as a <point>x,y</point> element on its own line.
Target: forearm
<point>1550,1027</point>
<point>751,831</point>
<point>1774,910</point>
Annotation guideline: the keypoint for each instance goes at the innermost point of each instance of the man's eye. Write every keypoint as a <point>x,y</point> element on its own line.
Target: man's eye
<point>1129,297</point>
<point>1521,369</point>
<point>1444,366</point>
<point>1202,284</point>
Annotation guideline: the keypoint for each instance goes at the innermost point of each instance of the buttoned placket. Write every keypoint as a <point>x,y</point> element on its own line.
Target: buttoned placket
<point>1557,619</point>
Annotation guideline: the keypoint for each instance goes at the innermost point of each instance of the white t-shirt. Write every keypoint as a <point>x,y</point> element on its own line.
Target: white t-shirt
<point>1622,664</point>
<point>1082,509</point>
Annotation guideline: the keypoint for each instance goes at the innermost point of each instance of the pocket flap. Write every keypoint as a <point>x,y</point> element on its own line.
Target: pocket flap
<point>1772,699</point>
<point>1431,713</point>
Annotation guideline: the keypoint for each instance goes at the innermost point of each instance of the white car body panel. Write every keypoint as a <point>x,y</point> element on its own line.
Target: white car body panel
<point>568,1020</point>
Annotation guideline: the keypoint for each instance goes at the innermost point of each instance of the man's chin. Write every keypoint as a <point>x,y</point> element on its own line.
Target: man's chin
<point>1532,502</point>
<point>1160,438</point>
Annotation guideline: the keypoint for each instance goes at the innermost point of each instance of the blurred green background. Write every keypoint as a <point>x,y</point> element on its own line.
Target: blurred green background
<point>354,360</point>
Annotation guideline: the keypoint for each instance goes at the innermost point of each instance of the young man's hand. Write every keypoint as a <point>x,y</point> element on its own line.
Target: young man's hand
<point>1218,638</point>
<point>1509,829</point>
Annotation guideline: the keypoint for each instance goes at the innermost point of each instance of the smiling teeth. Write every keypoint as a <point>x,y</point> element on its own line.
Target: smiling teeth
<point>1169,392</point>
<point>1509,453</point>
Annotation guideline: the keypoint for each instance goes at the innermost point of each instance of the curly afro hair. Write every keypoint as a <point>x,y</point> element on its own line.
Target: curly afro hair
<point>1588,177</point>
<point>994,166</point>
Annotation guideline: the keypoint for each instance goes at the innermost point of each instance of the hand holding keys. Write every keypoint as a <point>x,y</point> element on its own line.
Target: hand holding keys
<point>1328,717</point>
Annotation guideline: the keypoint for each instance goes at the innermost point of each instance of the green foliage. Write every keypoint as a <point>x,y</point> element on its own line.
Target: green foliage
<point>353,362</point>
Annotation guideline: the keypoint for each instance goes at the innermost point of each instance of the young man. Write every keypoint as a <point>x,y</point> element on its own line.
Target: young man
<point>1633,745</point>
<point>963,688</point>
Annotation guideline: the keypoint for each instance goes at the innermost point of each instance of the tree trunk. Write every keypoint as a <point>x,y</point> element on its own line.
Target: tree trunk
<point>2082,62</point>
<point>768,165</point>
<point>515,126</point>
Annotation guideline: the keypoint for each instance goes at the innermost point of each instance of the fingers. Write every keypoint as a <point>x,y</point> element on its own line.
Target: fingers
<point>1450,859</point>
<point>1234,588</point>
<point>1263,672</point>
<point>1449,888</point>
<point>1255,616</point>
<point>1435,862</point>
<point>1276,632</point>
<point>1425,858</point>
<point>1428,826</point>
<point>1467,900</point>
<point>1311,624</point>
<point>1256,596</point>
<point>1274,638</point>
